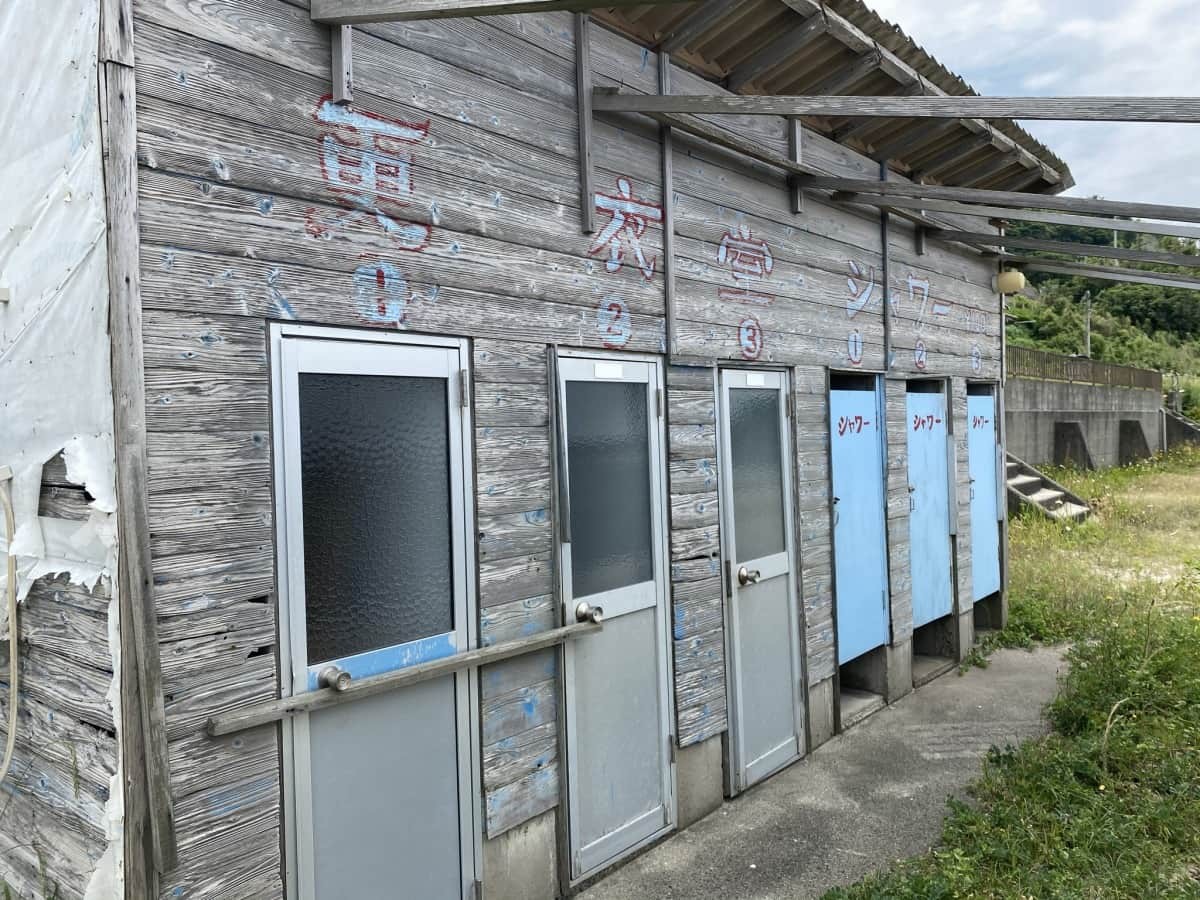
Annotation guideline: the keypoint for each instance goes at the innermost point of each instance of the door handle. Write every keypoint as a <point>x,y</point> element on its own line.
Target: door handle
<point>585,612</point>
<point>745,576</point>
<point>334,677</point>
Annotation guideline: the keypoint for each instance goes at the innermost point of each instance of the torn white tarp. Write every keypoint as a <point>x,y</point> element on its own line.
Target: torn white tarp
<point>55,390</point>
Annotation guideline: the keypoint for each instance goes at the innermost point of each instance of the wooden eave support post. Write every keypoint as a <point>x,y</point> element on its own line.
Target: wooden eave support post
<point>666,139</point>
<point>795,134</point>
<point>361,12</point>
<point>583,105</point>
<point>343,63</point>
<point>149,825</point>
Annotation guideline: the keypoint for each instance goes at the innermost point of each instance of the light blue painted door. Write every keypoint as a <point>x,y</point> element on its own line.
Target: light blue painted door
<point>929,507</point>
<point>984,463</point>
<point>859,538</point>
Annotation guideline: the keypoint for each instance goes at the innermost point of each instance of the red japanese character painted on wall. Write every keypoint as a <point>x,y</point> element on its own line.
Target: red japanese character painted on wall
<point>366,162</point>
<point>750,260</point>
<point>629,218</point>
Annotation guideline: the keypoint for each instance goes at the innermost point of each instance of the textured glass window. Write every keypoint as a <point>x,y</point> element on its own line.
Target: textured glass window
<point>375,473</point>
<point>757,473</point>
<point>608,447</point>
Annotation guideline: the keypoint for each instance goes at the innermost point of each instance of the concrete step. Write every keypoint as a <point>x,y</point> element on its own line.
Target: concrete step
<point>1069,511</point>
<point>1048,498</point>
<point>1023,483</point>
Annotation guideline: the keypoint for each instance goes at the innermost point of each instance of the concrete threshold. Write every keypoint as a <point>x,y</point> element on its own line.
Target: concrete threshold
<point>856,804</point>
<point>927,668</point>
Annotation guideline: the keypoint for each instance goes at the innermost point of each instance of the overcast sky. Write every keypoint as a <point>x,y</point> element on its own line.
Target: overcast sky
<point>1079,48</point>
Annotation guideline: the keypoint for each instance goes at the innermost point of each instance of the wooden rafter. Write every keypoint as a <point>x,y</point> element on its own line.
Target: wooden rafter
<point>700,20</point>
<point>1076,109</point>
<point>1005,199</point>
<point>1074,248</point>
<point>775,54</point>
<point>361,12</point>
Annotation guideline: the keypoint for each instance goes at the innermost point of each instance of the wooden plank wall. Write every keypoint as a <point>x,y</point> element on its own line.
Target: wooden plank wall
<point>813,491</point>
<point>962,498</point>
<point>516,589</point>
<point>66,747</point>
<point>899,544</point>
<point>246,216</point>
<point>697,613</point>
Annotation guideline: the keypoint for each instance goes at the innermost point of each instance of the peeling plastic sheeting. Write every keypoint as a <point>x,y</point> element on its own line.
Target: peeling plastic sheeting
<point>55,387</point>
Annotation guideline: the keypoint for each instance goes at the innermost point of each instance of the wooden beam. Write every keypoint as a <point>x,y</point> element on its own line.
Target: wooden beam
<point>583,106</point>
<point>698,22</point>
<point>1134,226</point>
<point>275,710</point>
<point>1068,109</point>
<point>362,12</point>
<point>146,771</point>
<point>1103,273</point>
<point>1006,199</point>
<point>776,53</point>
<point>1074,248</point>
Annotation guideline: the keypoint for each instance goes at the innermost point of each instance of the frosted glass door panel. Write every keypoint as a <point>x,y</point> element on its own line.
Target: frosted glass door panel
<point>609,463</point>
<point>757,472</point>
<point>375,477</point>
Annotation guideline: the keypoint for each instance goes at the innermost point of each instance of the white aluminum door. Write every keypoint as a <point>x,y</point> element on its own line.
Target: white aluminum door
<point>620,777</point>
<point>766,713</point>
<point>372,471</point>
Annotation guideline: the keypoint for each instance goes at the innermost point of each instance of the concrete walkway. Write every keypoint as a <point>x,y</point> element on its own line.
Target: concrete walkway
<point>856,804</point>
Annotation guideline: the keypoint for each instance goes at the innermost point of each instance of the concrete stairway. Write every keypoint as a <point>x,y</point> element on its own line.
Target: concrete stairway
<point>1180,429</point>
<point>1029,487</point>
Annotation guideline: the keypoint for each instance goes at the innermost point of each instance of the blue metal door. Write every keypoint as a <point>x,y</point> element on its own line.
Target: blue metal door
<point>984,464</point>
<point>929,507</point>
<point>859,536</point>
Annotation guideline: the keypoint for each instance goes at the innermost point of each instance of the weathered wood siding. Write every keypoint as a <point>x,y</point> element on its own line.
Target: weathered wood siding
<point>697,613</point>
<point>66,747</point>
<point>249,212</point>
<point>899,543</point>
<point>516,587</point>
<point>962,497</point>
<point>814,512</point>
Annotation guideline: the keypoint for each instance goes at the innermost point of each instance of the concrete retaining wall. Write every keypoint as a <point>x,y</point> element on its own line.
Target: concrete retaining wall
<point>1034,408</point>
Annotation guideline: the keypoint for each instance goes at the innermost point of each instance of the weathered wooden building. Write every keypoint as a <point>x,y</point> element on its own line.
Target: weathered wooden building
<point>406,390</point>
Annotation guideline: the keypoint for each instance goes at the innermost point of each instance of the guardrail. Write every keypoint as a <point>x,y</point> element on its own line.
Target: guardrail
<point>1023,362</point>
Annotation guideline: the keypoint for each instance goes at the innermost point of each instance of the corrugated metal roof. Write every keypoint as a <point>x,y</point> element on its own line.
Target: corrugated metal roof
<point>792,47</point>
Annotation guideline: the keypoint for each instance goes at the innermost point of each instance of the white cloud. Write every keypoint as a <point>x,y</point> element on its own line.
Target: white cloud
<point>1068,48</point>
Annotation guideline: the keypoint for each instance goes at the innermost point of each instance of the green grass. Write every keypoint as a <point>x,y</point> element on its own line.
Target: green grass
<point>1108,805</point>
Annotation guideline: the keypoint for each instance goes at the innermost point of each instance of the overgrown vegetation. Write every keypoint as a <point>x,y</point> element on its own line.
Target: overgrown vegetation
<point>1108,805</point>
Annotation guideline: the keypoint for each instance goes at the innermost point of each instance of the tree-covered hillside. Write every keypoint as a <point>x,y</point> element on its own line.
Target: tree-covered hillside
<point>1132,324</point>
